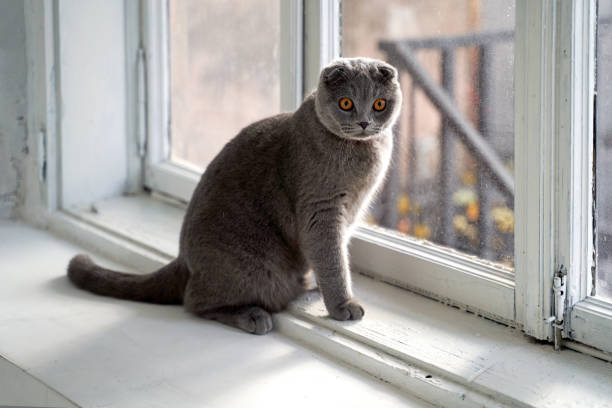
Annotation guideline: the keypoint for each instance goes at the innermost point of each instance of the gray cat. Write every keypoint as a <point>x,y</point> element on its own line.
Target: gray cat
<point>278,201</point>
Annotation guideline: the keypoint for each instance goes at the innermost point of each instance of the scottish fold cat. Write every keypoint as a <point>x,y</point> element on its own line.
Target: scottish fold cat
<point>279,201</point>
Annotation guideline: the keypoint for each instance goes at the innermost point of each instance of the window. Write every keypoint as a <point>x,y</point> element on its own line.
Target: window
<point>442,187</point>
<point>224,70</point>
<point>497,116</point>
<point>603,147</point>
<point>451,178</point>
<point>589,319</point>
<point>211,70</point>
<point>554,154</point>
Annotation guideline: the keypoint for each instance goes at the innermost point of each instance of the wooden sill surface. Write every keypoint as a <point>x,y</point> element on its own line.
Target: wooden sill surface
<point>460,352</point>
<point>99,351</point>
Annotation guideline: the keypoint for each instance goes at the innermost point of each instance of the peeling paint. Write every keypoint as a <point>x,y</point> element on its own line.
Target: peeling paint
<point>12,104</point>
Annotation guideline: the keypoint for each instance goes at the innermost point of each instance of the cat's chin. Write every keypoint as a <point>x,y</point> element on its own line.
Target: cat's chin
<point>362,137</point>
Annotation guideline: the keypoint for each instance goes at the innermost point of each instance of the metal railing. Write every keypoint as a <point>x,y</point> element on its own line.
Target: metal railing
<point>455,127</point>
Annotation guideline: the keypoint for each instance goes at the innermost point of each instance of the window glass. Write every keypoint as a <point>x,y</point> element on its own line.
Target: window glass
<point>224,63</point>
<point>603,148</point>
<point>441,186</point>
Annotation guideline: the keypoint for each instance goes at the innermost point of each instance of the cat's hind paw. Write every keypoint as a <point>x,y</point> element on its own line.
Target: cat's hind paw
<point>255,320</point>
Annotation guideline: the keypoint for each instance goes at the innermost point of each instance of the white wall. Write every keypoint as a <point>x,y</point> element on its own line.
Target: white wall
<point>12,102</point>
<point>63,73</point>
<point>93,94</point>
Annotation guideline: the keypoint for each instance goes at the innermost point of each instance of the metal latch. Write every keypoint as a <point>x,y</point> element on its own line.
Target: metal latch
<point>559,283</point>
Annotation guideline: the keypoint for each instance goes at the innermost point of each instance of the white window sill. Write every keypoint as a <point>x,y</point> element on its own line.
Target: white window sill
<point>442,355</point>
<point>70,348</point>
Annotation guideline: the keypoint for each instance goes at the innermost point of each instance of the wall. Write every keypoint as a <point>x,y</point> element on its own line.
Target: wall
<point>12,102</point>
<point>93,92</point>
<point>63,74</point>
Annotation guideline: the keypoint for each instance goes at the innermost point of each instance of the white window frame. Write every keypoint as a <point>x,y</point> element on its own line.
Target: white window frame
<point>554,66</point>
<point>588,319</point>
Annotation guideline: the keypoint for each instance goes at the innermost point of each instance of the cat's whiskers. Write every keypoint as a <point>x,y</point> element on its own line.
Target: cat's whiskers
<point>352,132</point>
<point>347,128</point>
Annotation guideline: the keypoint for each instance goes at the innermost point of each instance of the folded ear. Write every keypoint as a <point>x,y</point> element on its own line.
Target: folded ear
<point>386,73</point>
<point>334,75</point>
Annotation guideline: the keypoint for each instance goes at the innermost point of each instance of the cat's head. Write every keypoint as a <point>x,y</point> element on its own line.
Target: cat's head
<point>358,98</point>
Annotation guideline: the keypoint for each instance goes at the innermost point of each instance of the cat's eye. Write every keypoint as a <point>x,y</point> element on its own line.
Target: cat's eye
<point>346,104</point>
<point>379,105</point>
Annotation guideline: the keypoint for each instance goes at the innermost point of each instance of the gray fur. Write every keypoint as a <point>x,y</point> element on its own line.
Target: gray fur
<point>279,200</point>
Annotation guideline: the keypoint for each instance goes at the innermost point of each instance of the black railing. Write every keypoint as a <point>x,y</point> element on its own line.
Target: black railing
<point>455,127</point>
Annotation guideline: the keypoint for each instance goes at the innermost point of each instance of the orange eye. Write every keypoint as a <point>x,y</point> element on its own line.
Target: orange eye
<point>346,104</point>
<point>379,105</point>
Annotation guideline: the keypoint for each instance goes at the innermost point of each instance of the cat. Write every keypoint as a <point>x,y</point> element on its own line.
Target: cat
<point>278,202</point>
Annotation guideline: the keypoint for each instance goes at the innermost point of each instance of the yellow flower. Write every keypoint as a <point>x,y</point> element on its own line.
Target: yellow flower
<point>504,219</point>
<point>463,227</point>
<point>460,223</point>
<point>422,231</point>
<point>403,204</point>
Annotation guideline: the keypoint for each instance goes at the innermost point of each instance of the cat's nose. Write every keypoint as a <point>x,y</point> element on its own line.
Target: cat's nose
<point>364,124</point>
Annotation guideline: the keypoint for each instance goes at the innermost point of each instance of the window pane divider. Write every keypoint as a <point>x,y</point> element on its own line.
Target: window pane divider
<point>322,40</point>
<point>555,74</point>
<point>157,58</point>
<point>535,139</point>
<point>552,163</point>
<point>576,131</point>
<point>291,49</point>
<point>587,319</point>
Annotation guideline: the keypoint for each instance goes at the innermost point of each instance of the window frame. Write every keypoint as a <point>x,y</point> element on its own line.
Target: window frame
<point>554,48</point>
<point>554,141</point>
<point>321,33</point>
<point>588,318</point>
<point>160,173</point>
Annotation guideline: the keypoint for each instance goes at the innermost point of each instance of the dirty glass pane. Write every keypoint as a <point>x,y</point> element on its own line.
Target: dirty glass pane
<point>440,187</point>
<point>224,63</point>
<point>603,148</point>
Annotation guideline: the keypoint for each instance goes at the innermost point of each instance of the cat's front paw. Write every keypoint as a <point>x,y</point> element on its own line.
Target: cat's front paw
<point>349,310</point>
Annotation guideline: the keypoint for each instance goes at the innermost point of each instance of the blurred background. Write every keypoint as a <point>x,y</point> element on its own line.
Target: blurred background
<point>452,172</point>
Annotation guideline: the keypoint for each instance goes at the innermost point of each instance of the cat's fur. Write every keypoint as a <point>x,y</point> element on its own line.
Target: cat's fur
<point>279,200</point>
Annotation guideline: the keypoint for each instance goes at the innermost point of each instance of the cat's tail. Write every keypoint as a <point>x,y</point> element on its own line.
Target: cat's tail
<point>165,286</point>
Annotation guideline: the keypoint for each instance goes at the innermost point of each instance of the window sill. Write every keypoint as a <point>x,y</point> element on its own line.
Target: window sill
<point>70,348</point>
<point>439,354</point>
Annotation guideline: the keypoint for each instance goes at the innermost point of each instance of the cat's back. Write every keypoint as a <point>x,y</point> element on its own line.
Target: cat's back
<point>241,183</point>
<point>256,142</point>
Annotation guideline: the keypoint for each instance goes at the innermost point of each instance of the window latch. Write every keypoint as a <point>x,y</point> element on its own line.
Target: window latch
<point>559,290</point>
